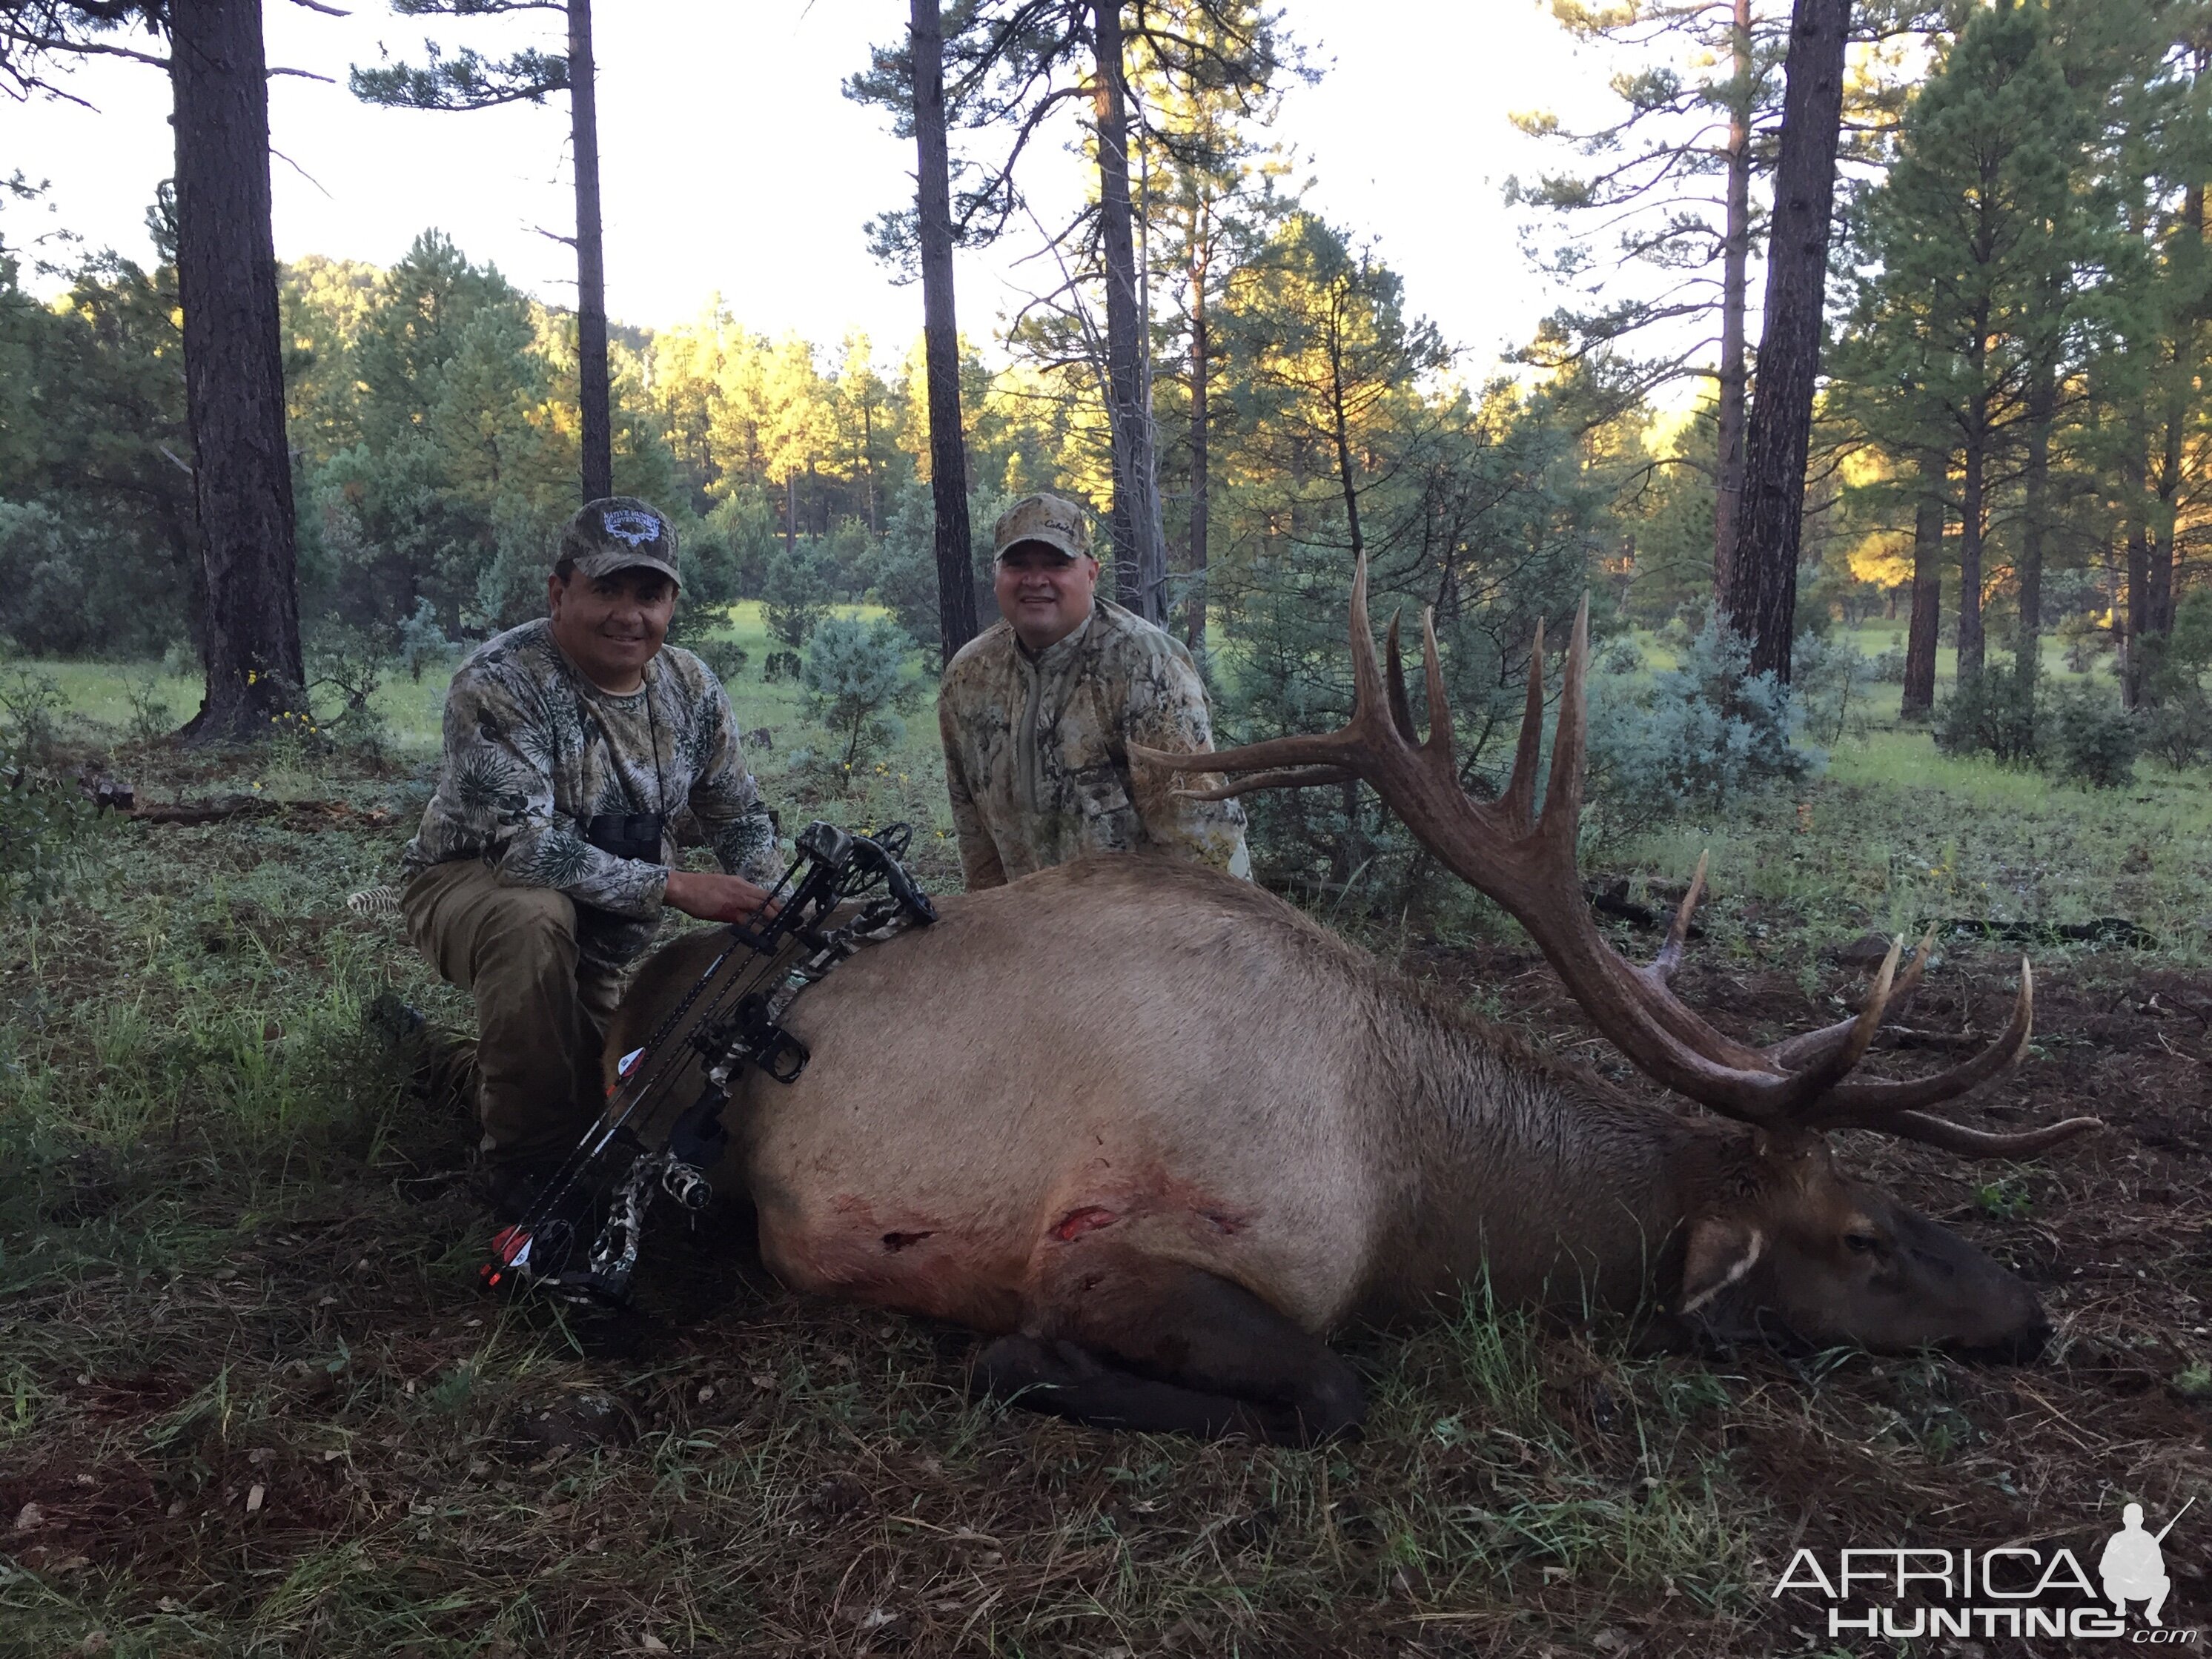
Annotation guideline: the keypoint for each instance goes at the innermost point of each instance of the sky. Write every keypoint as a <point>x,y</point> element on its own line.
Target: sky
<point>733,164</point>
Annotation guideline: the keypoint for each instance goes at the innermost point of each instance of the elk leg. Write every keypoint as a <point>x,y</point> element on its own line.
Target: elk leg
<point>1122,1339</point>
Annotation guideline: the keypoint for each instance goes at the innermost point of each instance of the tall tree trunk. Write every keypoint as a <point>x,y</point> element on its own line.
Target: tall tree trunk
<point>2034,511</point>
<point>590,261</point>
<point>1735,259</point>
<point>2135,659</point>
<point>1762,596</point>
<point>1201,461</point>
<point>1348,480</point>
<point>234,369</point>
<point>1974,471</point>
<point>1927,621</point>
<point>1141,560</point>
<point>948,444</point>
<point>2189,257</point>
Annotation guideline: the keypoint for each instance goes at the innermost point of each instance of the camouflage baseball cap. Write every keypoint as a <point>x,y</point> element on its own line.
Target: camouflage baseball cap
<point>619,533</point>
<point>1059,525</point>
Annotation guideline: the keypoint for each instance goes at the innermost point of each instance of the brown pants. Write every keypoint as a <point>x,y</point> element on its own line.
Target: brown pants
<point>539,1020</point>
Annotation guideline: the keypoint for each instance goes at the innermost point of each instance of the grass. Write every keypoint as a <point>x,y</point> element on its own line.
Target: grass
<point>249,1404</point>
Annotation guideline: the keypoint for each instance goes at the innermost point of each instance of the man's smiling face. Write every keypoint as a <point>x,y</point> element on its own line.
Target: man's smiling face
<point>1044,594</point>
<point>610,626</point>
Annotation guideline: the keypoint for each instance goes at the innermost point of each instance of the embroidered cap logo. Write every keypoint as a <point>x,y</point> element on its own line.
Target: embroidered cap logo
<point>629,525</point>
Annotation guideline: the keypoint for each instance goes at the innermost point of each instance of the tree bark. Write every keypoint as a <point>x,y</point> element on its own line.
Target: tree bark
<point>1762,596</point>
<point>1919,701</point>
<point>1341,430</point>
<point>948,451</point>
<point>2134,660</point>
<point>1141,563</point>
<point>2034,509</point>
<point>590,261</point>
<point>234,370</point>
<point>1201,461</point>
<point>1972,490</point>
<point>2189,255</point>
<point>1735,259</point>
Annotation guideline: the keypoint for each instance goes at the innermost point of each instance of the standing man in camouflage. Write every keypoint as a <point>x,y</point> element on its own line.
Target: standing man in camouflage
<point>545,860</point>
<point>1037,712</point>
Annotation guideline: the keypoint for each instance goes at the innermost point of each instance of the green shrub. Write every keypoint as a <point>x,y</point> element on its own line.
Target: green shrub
<point>1830,680</point>
<point>151,716</point>
<point>30,705</point>
<point>1989,714</point>
<point>39,817</point>
<point>351,663</point>
<point>422,642</point>
<point>2092,739</point>
<point>855,671</point>
<point>2180,730</point>
<point>1695,739</point>
<point>797,593</point>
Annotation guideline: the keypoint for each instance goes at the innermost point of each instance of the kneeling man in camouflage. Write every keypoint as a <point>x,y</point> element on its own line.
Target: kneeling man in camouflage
<point>544,858</point>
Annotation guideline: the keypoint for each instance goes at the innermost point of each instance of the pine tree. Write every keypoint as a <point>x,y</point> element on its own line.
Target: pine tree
<point>1761,596</point>
<point>1968,255</point>
<point>226,263</point>
<point>1670,193</point>
<point>467,80</point>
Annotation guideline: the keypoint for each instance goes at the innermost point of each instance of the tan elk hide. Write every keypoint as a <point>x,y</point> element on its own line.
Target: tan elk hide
<point>1159,1133</point>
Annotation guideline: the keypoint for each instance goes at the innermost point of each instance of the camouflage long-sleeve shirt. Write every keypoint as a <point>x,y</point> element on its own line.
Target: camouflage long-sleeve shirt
<point>1037,751</point>
<point>534,751</point>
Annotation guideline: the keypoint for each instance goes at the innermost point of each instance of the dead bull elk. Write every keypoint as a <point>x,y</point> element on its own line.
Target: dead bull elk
<point>1159,1133</point>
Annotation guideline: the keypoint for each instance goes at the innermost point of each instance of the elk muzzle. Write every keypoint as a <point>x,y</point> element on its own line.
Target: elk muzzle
<point>1879,1274</point>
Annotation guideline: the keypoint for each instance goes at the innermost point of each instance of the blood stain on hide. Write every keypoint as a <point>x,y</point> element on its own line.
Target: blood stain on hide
<point>1089,1218</point>
<point>897,1242</point>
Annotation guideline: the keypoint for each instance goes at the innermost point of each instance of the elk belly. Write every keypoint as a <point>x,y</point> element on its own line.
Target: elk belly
<point>896,1257</point>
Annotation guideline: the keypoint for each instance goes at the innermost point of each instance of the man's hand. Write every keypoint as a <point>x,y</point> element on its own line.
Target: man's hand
<point>717,897</point>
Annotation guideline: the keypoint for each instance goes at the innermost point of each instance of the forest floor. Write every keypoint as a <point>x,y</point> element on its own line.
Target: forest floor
<point>250,1401</point>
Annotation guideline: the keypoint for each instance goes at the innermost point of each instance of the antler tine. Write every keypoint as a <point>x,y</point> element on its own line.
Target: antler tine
<point>1439,745</point>
<point>1520,795</point>
<point>1401,709</point>
<point>1367,694</point>
<point>1563,792</point>
<point>1287,777</point>
<point>1911,982</point>
<point>1670,954</point>
<point>1983,1143</point>
<point>1305,758</point>
<point>1795,1097</point>
<point>1808,1047</point>
<point>1872,1102</point>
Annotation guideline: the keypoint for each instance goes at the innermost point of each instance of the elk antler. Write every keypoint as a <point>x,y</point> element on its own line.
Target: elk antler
<point>1525,860</point>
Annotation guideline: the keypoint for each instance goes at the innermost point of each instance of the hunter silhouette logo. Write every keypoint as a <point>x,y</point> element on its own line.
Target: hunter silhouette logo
<point>2005,1591</point>
<point>630,525</point>
<point>2133,1566</point>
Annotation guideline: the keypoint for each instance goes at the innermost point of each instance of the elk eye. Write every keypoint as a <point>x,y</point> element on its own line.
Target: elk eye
<point>1861,1243</point>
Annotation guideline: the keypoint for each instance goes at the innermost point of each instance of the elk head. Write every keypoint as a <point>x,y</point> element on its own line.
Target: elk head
<point>1782,1228</point>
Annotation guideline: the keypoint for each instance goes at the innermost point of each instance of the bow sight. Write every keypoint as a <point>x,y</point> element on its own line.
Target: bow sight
<point>741,1024</point>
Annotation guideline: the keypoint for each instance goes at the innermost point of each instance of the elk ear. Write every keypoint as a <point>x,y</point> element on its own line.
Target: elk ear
<point>1721,1250</point>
